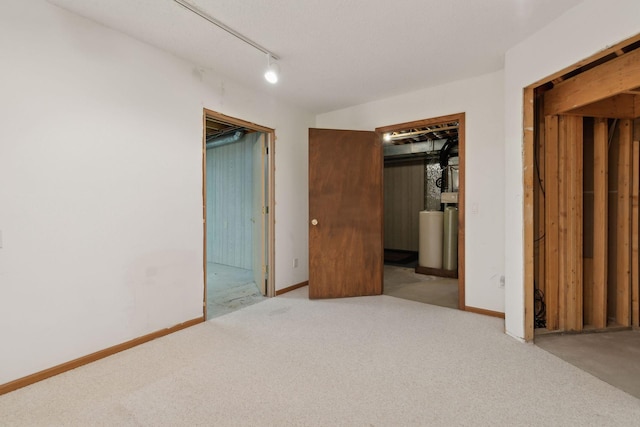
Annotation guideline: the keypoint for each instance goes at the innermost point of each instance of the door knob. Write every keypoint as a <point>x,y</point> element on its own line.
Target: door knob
<point>314,222</point>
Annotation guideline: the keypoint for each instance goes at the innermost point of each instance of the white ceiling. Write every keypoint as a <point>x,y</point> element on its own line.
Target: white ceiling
<point>334,53</point>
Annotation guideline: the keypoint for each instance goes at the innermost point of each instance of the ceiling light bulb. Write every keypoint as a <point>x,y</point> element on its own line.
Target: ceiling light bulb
<point>386,137</point>
<point>271,75</point>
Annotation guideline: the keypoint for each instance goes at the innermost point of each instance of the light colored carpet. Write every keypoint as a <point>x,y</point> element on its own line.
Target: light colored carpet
<point>370,361</point>
<point>403,282</point>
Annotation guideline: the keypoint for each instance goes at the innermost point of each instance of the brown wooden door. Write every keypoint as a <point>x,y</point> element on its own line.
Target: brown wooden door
<point>345,213</point>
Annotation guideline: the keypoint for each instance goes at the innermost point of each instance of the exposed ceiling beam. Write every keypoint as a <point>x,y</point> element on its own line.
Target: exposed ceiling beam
<point>404,135</point>
<point>621,106</point>
<point>611,78</point>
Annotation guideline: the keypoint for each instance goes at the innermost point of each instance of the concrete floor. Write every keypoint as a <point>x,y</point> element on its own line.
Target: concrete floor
<point>403,282</point>
<point>229,289</point>
<point>614,357</point>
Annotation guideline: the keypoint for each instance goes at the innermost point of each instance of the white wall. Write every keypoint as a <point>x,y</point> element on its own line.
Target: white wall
<point>101,186</point>
<point>481,98</point>
<point>579,33</point>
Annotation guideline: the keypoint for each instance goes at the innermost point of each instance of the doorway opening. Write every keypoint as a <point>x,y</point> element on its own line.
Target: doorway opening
<point>424,210</point>
<point>238,213</point>
<point>581,133</point>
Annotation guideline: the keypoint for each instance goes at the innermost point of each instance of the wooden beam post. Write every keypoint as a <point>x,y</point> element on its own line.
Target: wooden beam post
<point>574,184</point>
<point>540,184</point>
<point>600,222</point>
<point>623,267</point>
<point>611,78</point>
<point>528,207</point>
<point>551,212</point>
<point>563,226</point>
<point>621,106</point>
<point>635,229</point>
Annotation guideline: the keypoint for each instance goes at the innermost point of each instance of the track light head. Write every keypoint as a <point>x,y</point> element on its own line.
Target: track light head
<point>273,71</point>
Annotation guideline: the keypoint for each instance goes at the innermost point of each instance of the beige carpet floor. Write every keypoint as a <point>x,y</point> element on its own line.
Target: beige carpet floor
<point>370,361</point>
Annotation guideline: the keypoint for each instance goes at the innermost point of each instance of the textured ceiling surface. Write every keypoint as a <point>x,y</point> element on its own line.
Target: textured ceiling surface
<point>334,53</point>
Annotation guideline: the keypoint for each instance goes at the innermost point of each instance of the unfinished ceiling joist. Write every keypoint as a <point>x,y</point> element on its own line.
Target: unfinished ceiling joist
<point>622,106</point>
<point>611,78</point>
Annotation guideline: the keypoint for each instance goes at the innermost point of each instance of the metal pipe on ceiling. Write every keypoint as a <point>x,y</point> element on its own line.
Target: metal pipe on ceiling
<point>227,139</point>
<point>225,27</point>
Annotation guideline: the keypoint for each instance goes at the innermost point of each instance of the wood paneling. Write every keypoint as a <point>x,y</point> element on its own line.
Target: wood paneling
<point>598,316</point>
<point>229,201</point>
<point>403,201</point>
<point>552,209</point>
<point>623,266</point>
<point>611,78</point>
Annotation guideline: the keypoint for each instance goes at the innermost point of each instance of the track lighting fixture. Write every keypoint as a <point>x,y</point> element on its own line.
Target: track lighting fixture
<point>273,69</point>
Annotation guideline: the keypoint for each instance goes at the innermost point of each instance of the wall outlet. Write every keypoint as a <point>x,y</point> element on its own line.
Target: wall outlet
<point>295,263</point>
<point>502,281</point>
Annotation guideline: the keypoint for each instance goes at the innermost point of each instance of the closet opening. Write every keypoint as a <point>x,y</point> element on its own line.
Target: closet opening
<point>581,196</point>
<point>238,213</point>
